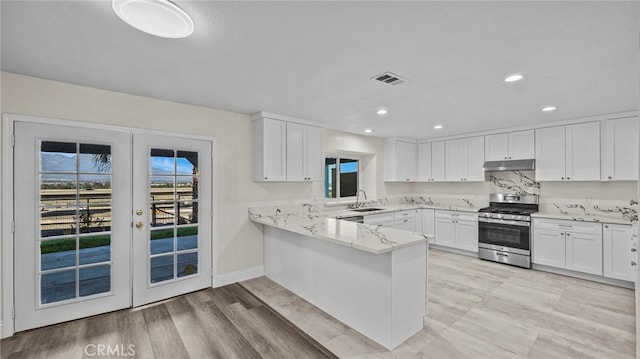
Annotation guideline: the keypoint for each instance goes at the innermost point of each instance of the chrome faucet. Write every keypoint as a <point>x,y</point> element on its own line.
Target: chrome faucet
<point>358,197</point>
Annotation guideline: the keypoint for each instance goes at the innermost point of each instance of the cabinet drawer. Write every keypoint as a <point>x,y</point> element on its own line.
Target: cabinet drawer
<point>572,226</point>
<point>404,214</point>
<point>461,216</point>
<point>378,218</point>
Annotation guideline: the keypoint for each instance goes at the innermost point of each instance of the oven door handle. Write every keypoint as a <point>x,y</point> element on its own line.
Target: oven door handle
<point>502,221</point>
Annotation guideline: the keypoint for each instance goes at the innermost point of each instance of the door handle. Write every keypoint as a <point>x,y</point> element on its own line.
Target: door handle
<point>139,225</point>
<point>139,212</point>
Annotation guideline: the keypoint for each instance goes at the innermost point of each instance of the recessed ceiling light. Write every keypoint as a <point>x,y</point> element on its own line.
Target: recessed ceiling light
<point>437,127</point>
<point>513,78</point>
<point>156,17</point>
<point>549,109</point>
<point>382,111</point>
<point>368,130</point>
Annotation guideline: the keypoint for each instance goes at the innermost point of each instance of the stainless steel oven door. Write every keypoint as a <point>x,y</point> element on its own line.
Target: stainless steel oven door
<point>503,233</point>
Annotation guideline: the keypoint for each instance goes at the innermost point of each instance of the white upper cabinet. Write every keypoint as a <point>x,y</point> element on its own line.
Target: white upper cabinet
<point>431,161</point>
<point>400,161</point>
<point>424,162</point>
<point>464,159</point>
<point>509,146</point>
<point>620,150</point>
<point>269,151</point>
<point>304,152</point>
<point>286,151</point>
<point>437,161</point>
<point>568,153</point>
<point>583,152</point>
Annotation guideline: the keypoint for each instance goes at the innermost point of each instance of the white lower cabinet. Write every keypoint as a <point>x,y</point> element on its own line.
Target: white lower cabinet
<point>571,245</point>
<point>382,219</point>
<point>405,220</point>
<point>457,230</point>
<point>428,221</point>
<point>619,252</point>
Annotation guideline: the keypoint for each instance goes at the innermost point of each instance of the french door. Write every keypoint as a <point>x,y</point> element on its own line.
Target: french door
<point>172,216</point>
<point>106,219</point>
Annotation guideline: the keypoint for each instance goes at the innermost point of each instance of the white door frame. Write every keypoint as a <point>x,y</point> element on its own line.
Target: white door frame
<point>7,323</point>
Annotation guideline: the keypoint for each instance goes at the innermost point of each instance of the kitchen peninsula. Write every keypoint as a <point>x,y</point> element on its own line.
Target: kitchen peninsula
<point>372,278</point>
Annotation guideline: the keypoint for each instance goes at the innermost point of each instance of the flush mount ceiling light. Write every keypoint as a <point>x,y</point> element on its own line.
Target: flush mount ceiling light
<point>437,127</point>
<point>382,111</point>
<point>156,17</point>
<point>513,78</point>
<point>549,109</point>
<point>368,130</point>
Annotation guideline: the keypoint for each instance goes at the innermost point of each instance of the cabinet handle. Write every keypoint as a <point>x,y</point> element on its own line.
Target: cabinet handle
<point>568,178</point>
<point>609,177</point>
<point>265,178</point>
<point>568,234</point>
<point>606,226</point>
<point>408,179</point>
<point>563,178</point>
<point>505,158</point>
<point>634,250</point>
<point>509,157</point>
<point>633,263</point>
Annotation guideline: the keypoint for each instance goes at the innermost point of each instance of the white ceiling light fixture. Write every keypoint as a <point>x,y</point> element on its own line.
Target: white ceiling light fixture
<point>382,111</point>
<point>437,127</point>
<point>368,130</point>
<point>513,78</point>
<point>156,17</point>
<point>549,109</point>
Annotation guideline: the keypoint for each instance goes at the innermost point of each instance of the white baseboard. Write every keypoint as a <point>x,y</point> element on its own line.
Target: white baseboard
<point>239,276</point>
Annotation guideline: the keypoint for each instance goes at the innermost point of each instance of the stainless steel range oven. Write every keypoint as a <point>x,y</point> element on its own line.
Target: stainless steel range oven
<point>505,229</point>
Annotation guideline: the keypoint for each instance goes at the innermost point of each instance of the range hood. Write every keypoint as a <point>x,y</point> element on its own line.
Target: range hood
<point>510,165</point>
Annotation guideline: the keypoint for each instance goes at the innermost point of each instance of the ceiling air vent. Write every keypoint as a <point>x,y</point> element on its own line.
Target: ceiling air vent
<point>390,79</point>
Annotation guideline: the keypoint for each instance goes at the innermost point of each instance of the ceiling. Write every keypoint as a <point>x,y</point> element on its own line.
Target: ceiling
<point>314,60</point>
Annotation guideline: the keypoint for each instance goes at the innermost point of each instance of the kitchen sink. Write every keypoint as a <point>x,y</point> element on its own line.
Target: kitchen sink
<point>366,209</point>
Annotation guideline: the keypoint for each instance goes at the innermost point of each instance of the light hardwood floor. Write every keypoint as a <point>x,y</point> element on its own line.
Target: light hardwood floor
<point>226,322</point>
<point>481,309</point>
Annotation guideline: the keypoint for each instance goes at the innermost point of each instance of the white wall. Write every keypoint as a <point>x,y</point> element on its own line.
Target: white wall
<point>239,242</point>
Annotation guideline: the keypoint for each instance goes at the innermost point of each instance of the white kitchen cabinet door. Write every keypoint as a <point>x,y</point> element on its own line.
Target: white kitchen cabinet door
<point>496,147</point>
<point>304,152</point>
<point>584,252</point>
<point>445,232</point>
<point>522,145</point>
<point>400,161</point>
<point>583,152</point>
<point>475,159</point>
<point>424,162</point>
<point>314,155</point>
<point>437,161</point>
<point>617,243</point>
<point>406,160</point>
<point>549,247</point>
<point>456,160</point>
<point>269,153</point>
<point>467,235</point>
<point>620,149</point>
<point>550,154</point>
<point>295,152</point>
<point>429,221</point>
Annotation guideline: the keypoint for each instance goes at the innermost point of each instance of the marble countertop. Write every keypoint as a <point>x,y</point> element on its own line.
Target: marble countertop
<point>581,217</point>
<point>401,207</point>
<point>368,238</point>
